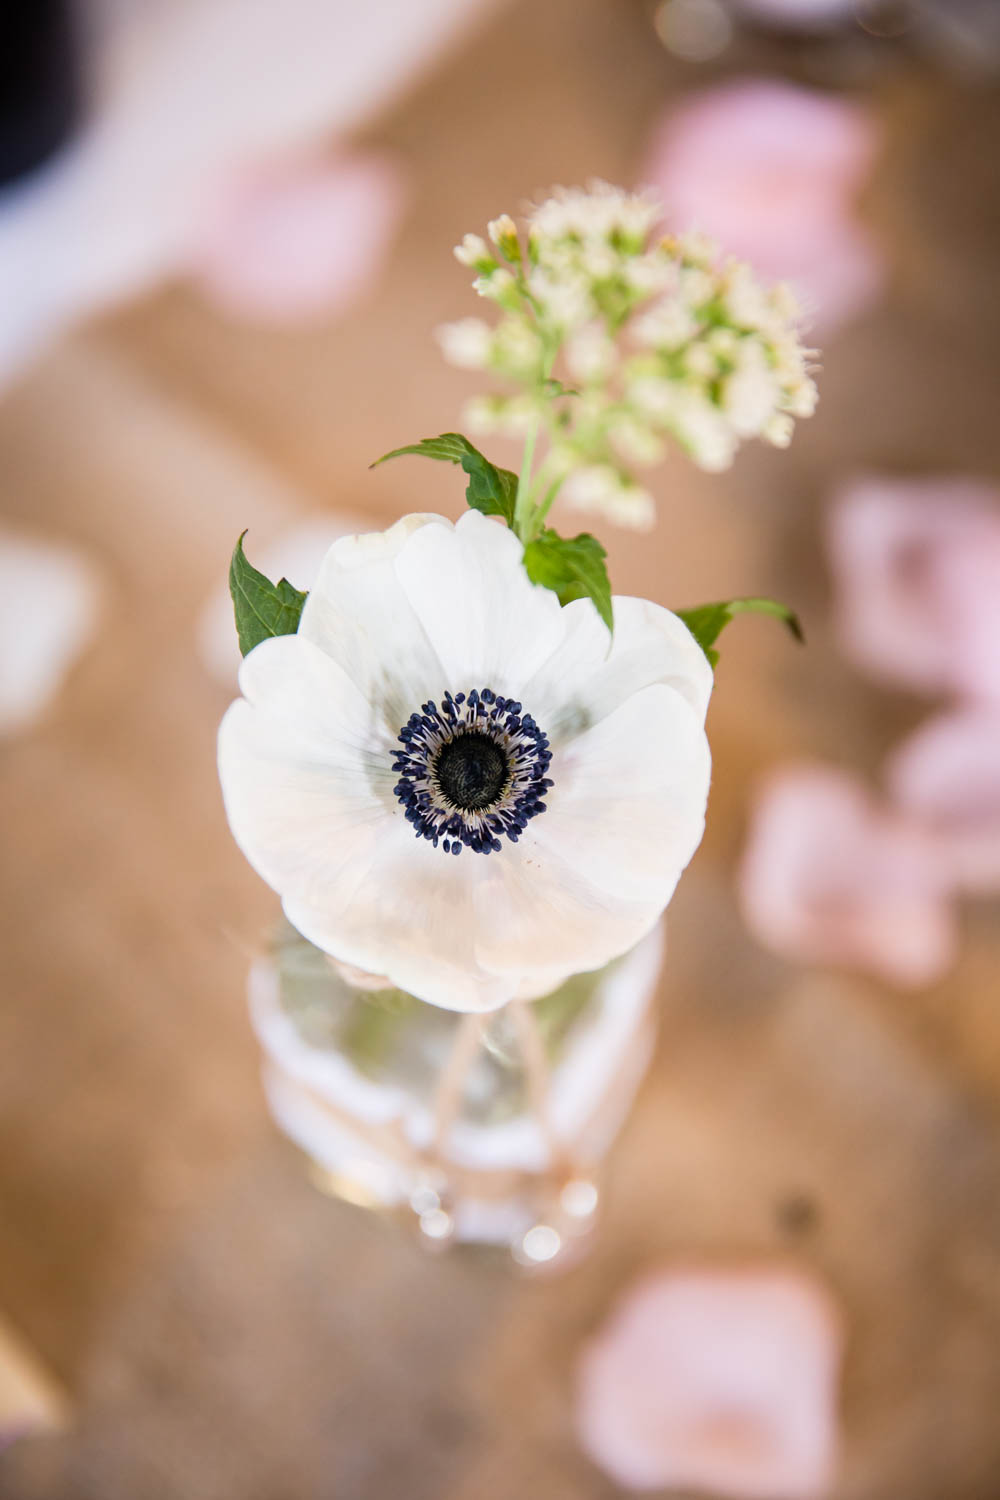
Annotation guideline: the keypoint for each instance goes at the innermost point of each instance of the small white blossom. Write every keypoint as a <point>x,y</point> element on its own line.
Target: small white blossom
<point>745,300</point>
<point>635,441</point>
<point>725,343</point>
<point>499,286</point>
<point>694,249</point>
<point>503,233</point>
<point>602,490</point>
<point>565,302</point>
<point>517,349</point>
<point>474,251</point>
<point>590,354</point>
<point>801,399</point>
<point>668,324</point>
<point>510,416</point>
<point>703,431</point>
<point>596,213</point>
<point>480,414</point>
<point>701,359</point>
<point>778,431</point>
<point>599,262</point>
<point>649,274</point>
<point>696,287</point>
<point>653,396</point>
<point>751,394</point>
<point>466,343</point>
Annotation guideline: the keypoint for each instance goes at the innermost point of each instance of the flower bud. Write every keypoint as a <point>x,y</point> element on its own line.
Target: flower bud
<point>499,286</point>
<point>474,252</point>
<point>503,233</point>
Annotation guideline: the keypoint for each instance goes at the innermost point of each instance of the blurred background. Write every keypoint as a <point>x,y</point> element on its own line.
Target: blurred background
<point>225,241</point>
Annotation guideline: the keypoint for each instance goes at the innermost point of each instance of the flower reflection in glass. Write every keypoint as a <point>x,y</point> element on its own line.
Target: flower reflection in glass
<point>435,702</point>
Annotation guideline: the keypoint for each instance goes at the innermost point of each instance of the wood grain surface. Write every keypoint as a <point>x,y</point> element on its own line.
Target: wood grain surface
<point>224,1330</point>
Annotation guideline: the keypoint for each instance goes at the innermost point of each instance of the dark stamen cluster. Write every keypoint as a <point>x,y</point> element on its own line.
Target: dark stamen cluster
<point>472,771</point>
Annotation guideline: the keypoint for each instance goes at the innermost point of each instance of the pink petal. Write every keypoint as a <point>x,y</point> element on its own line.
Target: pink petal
<point>771,170</point>
<point>829,878</point>
<point>717,1380</point>
<point>916,567</point>
<point>299,238</point>
<point>947,776</point>
<point>797,13</point>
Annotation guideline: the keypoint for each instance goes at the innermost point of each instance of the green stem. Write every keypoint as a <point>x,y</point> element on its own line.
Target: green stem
<point>522,501</point>
<point>524,516</point>
<point>542,510</point>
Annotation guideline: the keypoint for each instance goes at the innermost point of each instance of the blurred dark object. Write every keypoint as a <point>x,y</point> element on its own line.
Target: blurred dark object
<point>39,82</point>
<point>844,39</point>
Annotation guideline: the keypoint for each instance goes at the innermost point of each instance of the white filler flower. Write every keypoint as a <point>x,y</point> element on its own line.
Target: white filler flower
<point>455,782</point>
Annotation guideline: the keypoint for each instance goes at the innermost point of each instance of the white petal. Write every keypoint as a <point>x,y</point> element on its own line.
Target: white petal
<point>306,784</point>
<point>50,603</point>
<point>583,681</point>
<point>627,808</point>
<point>293,681</point>
<point>469,933</point>
<point>359,614</point>
<point>594,871</point>
<point>409,915</point>
<point>298,821</point>
<point>537,921</point>
<point>489,625</point>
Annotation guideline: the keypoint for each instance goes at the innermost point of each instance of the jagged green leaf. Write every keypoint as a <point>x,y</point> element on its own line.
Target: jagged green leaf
<point>573,567</point>
<point>490,490</point>
<point>706,622</point>
<point>262,608</point>
<point>450,447</point>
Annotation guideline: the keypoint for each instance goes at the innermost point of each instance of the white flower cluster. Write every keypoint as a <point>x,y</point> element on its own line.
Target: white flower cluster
<point>651,339</point>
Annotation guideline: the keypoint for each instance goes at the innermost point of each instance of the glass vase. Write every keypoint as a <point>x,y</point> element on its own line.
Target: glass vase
<point>488,1129</point>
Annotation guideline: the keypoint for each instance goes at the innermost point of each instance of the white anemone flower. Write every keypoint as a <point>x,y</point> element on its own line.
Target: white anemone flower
<point>455,782</point>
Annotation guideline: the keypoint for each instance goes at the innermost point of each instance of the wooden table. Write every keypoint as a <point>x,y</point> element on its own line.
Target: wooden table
<point>224,1330</point>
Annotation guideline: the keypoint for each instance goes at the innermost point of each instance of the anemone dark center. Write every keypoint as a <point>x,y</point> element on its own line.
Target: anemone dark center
<point>471,771</point>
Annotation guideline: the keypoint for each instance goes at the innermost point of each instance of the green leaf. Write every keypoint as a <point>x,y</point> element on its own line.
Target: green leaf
<point>490,490</point>
<point>573,568</point>
<point>450,447</point>
<point>556,388</point>
<point>707,622</point>
<point>262,608</point>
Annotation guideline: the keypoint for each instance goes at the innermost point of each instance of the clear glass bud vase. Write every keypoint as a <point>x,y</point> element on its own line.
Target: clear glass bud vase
<point>488,1129</point>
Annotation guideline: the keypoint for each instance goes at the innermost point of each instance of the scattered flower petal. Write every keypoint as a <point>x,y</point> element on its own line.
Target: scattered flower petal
<point>771,170</point>
<point>718,1380</point>
<point>298,239</point>
<point>180,98</point>
<point>916,567</point>
<point>435,703</point>
<point>830,878</point>
<point>947,778</point>
<point>798,13</point>
<point>50,599</point>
